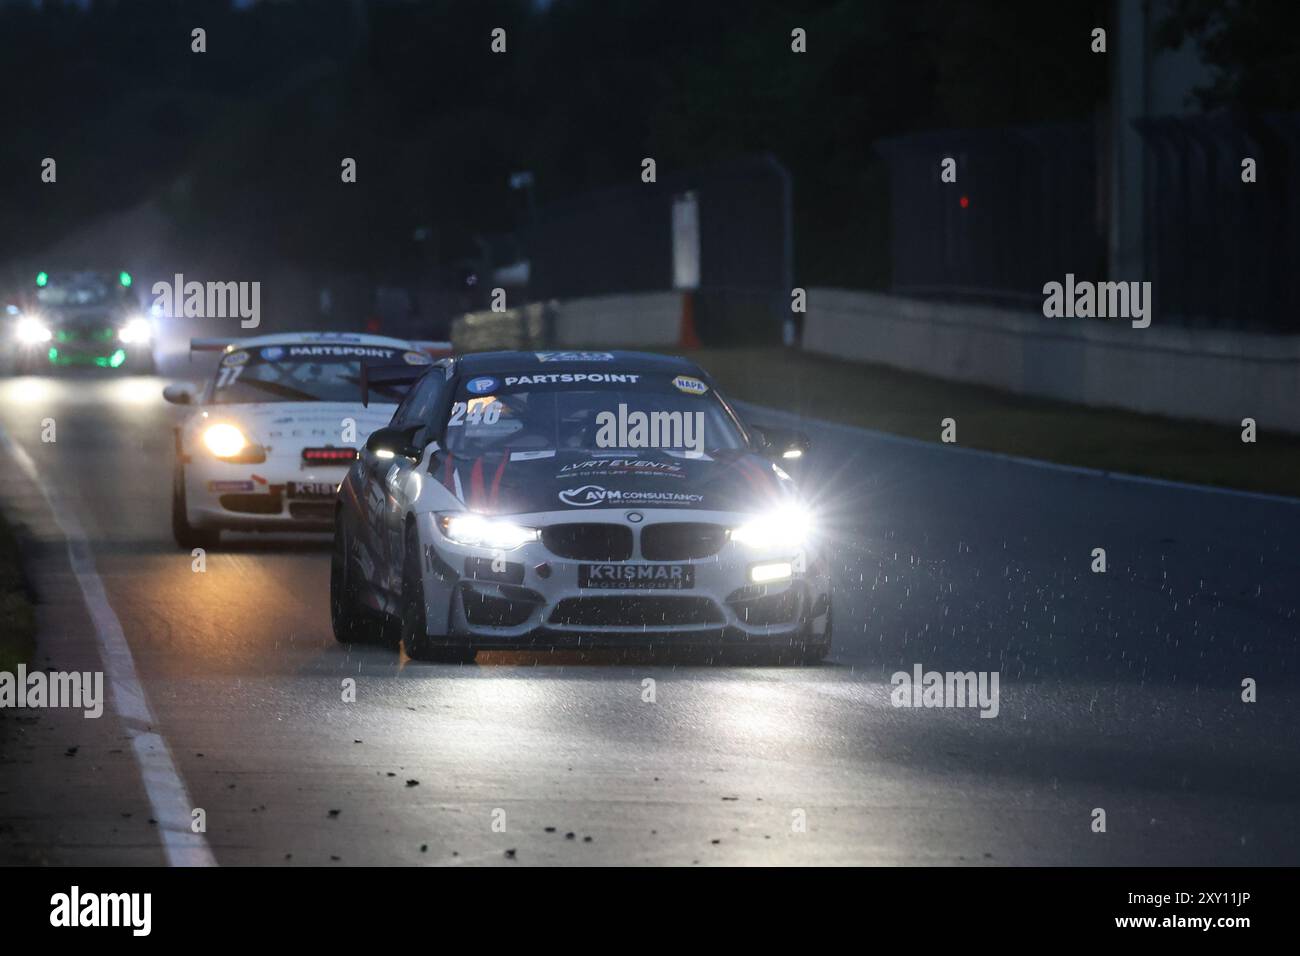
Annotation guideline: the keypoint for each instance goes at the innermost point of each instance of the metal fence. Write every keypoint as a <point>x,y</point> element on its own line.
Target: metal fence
<point>1023,211</point>
<point>1222,252</point>
<point>1028,207</point>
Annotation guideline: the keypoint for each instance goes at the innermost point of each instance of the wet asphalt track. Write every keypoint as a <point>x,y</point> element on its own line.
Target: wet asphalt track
<point>1118,691</point>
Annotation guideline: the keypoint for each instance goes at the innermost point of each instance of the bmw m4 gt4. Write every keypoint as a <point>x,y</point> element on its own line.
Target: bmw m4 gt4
<point>275,429</point>
<point>576,500</point>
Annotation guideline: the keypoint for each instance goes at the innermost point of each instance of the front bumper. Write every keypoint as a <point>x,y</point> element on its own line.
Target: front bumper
<point>83,354</point>
<point>254,497</point>
<point>535,597</point>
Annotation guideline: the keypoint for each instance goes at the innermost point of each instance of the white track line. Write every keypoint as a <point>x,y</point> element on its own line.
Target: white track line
<point>162,782</point>
<point>761,411</point>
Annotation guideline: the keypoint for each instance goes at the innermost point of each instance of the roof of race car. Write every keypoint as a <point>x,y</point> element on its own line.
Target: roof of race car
<point>318,338</point>
<point>570,360</point>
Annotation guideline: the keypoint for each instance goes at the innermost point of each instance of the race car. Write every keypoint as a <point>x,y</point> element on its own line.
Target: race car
<point>79,318</point>
<point>540,500</point>
<point>275,429</point>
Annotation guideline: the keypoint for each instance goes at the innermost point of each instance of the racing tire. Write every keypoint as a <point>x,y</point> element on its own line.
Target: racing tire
<point>810,654</point>
<point>187,536</point>
<point>416,642</point>
<point>351,621</point>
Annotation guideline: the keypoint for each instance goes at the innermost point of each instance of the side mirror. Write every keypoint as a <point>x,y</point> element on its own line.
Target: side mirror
<point>781,444</point>
<point>180,393</point>
<point>392,443</point>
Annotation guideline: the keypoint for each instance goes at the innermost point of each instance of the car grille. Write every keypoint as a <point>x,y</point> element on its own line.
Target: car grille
<point>764,609</point>
<point>647,611</point>
<point>312,510</point>
<point>681,540</point>
<point>252,504</point>
<point>85,334</point>
<point>589,541</point>
<point>489,610</point>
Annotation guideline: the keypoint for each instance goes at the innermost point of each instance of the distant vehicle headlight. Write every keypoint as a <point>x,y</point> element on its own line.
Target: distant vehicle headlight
<point>476,531</point>
<point>224,441</point>
<point>786,527</point>
<point>32,331</point>
<point>136,331</point>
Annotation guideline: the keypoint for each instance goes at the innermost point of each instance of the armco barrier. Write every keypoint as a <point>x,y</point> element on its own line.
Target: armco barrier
<point>1198,374</point>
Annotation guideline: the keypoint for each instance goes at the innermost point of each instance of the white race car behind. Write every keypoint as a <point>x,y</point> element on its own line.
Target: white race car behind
<point>275,429</point>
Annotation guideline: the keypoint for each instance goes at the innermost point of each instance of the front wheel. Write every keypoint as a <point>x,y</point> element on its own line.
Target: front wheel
<point>351,621</point>
<point>187,536</point>
<point>414,613</point>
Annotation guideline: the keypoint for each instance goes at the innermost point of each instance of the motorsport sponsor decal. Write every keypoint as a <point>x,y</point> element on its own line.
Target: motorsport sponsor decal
<point>574,356</point>
<point>589,495</point>
<point>223,487</point>
<point>572,377</point>
<point>531,455</point>
<point>235,358</point>
<point>689,385</point>
<point>272,353</point>
<point>611,467</point>
<point>483,385</point>
<point>660,577</point>
<point>416,358</point>
<point>340,351</point>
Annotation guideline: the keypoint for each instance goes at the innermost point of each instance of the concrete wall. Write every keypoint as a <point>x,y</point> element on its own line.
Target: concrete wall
<point>1183,373</point>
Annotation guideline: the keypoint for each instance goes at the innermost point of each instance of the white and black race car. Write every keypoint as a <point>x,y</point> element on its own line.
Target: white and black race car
<point>275,429</point>
<point>536,500</point>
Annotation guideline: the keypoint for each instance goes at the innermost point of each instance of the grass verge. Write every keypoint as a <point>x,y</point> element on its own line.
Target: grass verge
<point>17,615</point>
<point>904,403</point>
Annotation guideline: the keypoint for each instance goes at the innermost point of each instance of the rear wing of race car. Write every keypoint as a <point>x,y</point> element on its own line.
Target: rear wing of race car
<point>434,349</point>
<point>373,376</point>
<point>208,345</point>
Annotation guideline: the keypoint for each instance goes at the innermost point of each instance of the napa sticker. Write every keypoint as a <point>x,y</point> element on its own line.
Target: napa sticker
<point>482,385</point>
<point>416,358</point>
<point>689,385</point>
<point>272,354</point>
<point>235,358</point>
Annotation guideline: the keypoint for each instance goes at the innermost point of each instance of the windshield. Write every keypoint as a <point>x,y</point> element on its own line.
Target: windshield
<point>85,290</point>
<point>306,373</point>
<point>676,414</point>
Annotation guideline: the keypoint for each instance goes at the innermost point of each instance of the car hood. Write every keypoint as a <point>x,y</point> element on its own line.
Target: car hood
<point>527,482</point>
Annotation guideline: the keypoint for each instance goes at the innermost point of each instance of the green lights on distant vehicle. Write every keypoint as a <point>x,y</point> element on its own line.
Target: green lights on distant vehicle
<point>125,279</point>
<point>54,355</point>
<point>42,278</point>
<point>117,358</point>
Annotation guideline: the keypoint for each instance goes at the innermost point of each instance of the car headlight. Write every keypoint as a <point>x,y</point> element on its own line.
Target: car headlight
<point>225,441</point>
<point>476,531</point>
<point>136,330</point>
<point>786,527</point>
<point>32,331</point>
